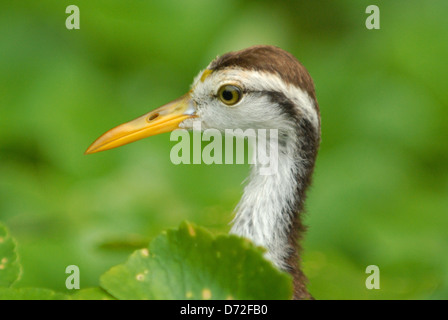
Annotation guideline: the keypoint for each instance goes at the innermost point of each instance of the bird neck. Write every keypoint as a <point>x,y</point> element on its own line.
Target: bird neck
<point>270,210</point>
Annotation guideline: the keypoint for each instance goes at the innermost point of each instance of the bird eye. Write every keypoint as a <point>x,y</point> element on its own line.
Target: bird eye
<point>229,94</point>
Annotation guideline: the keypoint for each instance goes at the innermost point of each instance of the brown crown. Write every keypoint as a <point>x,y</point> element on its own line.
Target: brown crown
<point>268,59</point>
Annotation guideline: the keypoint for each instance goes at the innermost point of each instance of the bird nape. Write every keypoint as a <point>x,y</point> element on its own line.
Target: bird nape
<point>261,87</point>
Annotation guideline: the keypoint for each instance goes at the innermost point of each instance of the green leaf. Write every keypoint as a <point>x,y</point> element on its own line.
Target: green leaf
<point>190,263</point>
<point>10,269</point>
<point>91,294</point>
<point>30,294</point>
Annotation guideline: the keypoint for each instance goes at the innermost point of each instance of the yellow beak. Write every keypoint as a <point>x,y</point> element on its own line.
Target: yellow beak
<point>164,119</point>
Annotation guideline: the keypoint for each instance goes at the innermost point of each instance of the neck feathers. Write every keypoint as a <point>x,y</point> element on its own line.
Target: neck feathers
<point>271,208</point>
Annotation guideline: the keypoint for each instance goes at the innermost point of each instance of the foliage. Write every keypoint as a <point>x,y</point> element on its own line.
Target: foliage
<point>10,269</point>
<point>188,263</point>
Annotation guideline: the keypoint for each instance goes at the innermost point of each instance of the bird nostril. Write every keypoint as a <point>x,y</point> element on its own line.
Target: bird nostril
<point>153,116</point>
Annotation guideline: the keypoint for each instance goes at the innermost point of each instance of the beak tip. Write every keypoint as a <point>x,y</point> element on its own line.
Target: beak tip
<point>89,150</point>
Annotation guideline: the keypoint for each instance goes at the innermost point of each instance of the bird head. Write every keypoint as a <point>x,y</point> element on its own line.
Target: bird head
<point>261,87</point>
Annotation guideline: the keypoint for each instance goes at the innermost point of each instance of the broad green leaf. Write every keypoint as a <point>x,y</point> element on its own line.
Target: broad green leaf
<point>10,268</point>
<point>190,263</point>
<point>91,294</point>
<point>30,294</point>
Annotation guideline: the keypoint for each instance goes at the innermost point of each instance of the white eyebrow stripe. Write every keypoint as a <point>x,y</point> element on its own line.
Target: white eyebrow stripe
<point>260,81</point>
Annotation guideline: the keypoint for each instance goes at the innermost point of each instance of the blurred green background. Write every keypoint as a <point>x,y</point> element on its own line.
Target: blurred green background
<point>380,190</point>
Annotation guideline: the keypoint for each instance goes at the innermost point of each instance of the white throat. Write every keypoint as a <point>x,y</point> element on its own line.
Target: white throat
<point>265,212</point>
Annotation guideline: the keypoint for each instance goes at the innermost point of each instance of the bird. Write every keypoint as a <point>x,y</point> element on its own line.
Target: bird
<point>262,86</point>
